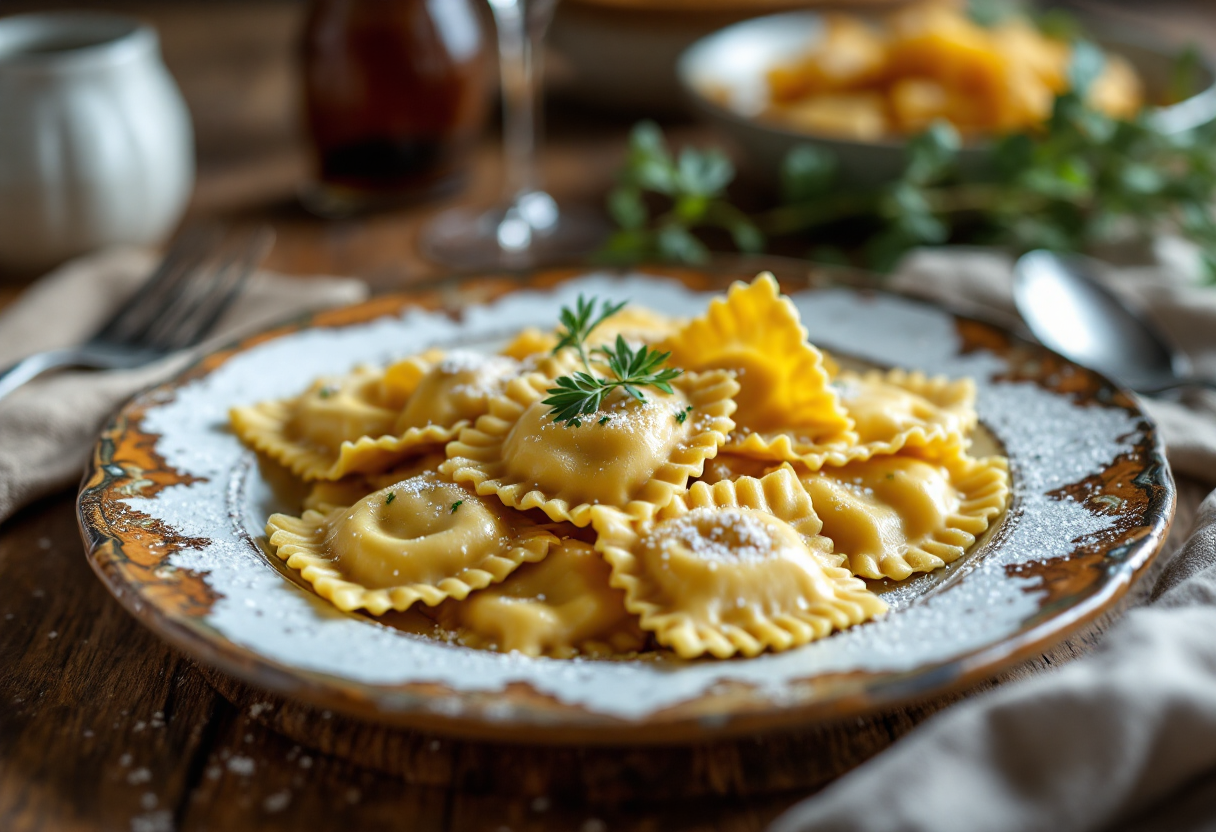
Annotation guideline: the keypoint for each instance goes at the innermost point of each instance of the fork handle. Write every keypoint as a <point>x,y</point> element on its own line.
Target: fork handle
<point>35,365</point>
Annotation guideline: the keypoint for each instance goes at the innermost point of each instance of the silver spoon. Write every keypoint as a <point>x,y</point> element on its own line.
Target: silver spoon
<point>1070,312</point>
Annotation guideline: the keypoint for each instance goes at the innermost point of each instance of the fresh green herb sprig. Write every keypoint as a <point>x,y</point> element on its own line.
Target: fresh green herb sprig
<point>1080,181</point>
<point>693,187</point>
<point>578,323</point>
<point>583,392</point>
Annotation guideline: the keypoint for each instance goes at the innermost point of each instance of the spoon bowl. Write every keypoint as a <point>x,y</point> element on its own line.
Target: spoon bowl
<point>1069,311</point>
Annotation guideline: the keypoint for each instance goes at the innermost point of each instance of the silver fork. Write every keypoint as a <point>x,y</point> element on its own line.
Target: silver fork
<point>199,278</point>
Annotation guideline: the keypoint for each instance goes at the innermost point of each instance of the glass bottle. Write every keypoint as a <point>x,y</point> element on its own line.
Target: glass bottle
<point>396,93</point>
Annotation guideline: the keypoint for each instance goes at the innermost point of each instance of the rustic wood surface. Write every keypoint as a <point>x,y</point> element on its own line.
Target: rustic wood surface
<point>103,727</point>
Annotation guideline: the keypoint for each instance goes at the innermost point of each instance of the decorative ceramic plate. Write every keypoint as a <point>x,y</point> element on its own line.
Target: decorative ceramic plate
<point>173,507</point>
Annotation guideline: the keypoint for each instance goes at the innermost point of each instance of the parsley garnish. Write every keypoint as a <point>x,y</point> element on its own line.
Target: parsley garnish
<point>392,495</point>
<point>583,392</point>
<point>603,420</point>
<point>456,505</point>
<point>577,325</point>
<point>681,415</point>
<point>326,392</point>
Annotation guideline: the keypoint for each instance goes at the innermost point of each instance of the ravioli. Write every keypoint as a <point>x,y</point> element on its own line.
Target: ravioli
<point>326,495</point>
<point>735,513</point>
<point>628,452</point>
<point>908,407</point>
<point>422,539</point>
<point>372,420</point>
<point>729,466</point>
<point>893,516</point>
<point>449,388</point>
<point>306,433</point>
<point>757,333</point>
<point>562,606</point>
<point>529,343</point>
<point>890,410</point>
<point>636,325</point>
<point>733,568</point>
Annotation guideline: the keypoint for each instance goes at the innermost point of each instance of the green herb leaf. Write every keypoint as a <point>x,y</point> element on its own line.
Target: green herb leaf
<point>626,207</point>
<point>578,323</point>
<point>808,171</point>
<point>392,495</point>
<point>456,505</point>
<point>694,186</point>
<point>582,393</point>
<point>932,153</point>
<point>677,244</point>
<point>705,173</point>
<point>647,140</point>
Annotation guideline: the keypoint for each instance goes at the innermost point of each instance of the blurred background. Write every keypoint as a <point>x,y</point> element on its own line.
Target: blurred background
<point>238,65</point>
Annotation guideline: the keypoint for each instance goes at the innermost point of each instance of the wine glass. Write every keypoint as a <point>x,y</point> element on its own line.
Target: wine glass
<point>528,227</point>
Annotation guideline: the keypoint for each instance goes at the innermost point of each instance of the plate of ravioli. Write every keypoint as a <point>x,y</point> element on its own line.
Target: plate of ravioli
<point>615,507</point>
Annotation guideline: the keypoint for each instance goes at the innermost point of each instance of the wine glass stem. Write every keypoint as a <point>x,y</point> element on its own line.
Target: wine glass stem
<point>521,28</point>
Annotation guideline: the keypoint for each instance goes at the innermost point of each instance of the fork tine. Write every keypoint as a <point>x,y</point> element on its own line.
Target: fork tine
<point>218,302</point>
<point>181,321</point>
<point>186,295</point>
<point>208,293</point>
<point>130,322</point>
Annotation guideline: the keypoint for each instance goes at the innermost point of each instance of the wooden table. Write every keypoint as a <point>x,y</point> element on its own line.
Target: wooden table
<point>103,727</point>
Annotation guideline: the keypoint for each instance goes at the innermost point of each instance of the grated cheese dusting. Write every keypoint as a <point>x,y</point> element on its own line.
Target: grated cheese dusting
<point>719,535</point>
<point>464,361</point>
<point>485,373</point>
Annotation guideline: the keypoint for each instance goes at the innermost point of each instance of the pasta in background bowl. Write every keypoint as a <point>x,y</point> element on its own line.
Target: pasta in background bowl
<point>536,614</point>
<point>761,84</point>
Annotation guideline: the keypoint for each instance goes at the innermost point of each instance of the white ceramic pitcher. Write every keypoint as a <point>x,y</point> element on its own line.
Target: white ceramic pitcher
<point>96,145</point>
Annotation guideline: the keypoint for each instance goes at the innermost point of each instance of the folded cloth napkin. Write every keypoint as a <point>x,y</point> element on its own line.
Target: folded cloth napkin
<point>1124,738</point>
<point>49,426</point>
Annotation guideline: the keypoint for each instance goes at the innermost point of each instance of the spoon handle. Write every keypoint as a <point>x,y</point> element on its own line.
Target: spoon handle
<point>1207,383</point>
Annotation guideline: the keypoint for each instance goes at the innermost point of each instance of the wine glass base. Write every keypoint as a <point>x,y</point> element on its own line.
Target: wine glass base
<point>499,237</point>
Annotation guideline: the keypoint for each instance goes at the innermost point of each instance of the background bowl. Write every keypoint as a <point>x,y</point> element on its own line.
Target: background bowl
<point>724,76</point>
<point>622,54</point>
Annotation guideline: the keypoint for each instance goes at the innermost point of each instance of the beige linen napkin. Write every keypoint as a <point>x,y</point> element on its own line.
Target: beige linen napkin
<point>1122,739</point>
<point>48,427</point>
